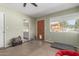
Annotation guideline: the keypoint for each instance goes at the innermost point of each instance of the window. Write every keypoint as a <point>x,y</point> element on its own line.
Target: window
<point>56,26</point>
<point>71,25</point>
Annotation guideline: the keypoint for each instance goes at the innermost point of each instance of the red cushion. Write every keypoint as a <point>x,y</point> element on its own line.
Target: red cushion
<point>67,52</point>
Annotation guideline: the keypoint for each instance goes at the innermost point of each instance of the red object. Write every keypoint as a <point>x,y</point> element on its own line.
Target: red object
<point>40,29</point>
<point>67,52</point>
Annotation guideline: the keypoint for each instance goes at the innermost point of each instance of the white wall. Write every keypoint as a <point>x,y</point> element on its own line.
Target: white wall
<point>13,23</point>
<point>64,37</point>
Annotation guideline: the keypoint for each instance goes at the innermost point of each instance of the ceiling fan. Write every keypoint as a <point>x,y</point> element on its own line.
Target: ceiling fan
<point>34,4</point>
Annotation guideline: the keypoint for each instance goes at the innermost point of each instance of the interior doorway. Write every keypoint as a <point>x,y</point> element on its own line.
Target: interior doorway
<point>40,30</point>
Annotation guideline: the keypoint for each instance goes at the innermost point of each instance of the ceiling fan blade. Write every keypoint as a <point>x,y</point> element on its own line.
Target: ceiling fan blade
<point>34,4</point>
<point>24,4</point>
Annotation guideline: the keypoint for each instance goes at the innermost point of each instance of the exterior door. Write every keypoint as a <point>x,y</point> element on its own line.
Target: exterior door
<point>40,30</point>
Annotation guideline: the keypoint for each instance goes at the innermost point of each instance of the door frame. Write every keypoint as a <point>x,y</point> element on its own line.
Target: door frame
<point>28,22</point>
<point>3,31</point>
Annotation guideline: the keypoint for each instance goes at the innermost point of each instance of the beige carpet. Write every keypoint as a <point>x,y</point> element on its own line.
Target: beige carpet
<point>32,48</point>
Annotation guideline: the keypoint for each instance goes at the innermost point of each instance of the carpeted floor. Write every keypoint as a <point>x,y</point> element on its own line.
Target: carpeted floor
<point>31,48</point>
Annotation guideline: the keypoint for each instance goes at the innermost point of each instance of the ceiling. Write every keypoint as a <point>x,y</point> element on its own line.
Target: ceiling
<point>41,10</point>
